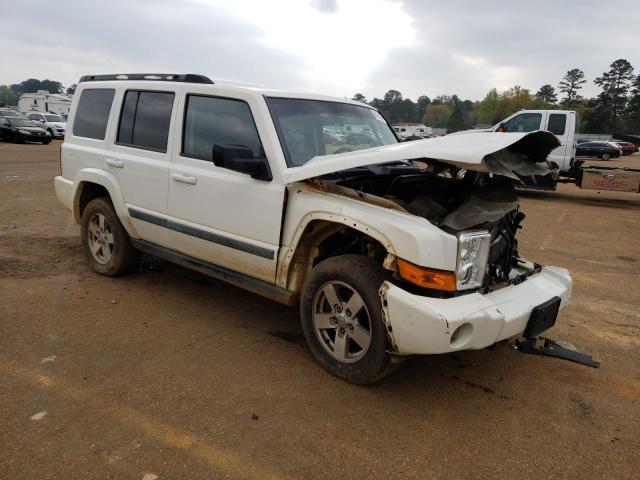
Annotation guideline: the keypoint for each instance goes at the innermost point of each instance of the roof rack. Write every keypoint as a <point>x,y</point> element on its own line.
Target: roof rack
<point>162,77</point>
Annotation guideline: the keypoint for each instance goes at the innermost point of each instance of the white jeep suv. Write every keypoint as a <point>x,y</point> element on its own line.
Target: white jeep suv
<point>389,249</point>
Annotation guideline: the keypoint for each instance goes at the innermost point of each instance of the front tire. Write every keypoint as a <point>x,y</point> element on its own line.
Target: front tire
<point>341,315</point>
<point>605,157</point>
<point>106,243</point>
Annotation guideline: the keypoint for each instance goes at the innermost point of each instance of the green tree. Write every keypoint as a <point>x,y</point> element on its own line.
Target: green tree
<point>51,86</point>
<point>570,84</point>
<point>377,103</point>
<point>632,113</point>
<point>8,96</point>
<point>437,115</point>
<point>442,100</point>
<point>32,85</point>
<point>486,110</point>
<point>407,111</point>
<point>421,106</point>
<point>456,121</point>
<point>547,94</point>
<point>358,97</point>
<point>615,86</point>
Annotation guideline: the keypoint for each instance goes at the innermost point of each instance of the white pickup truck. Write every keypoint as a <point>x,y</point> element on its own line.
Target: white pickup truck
<point>389,249</point>
<point>565,167</point>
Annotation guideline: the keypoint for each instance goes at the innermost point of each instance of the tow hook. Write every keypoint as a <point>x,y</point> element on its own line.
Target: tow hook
<point>554,348</point>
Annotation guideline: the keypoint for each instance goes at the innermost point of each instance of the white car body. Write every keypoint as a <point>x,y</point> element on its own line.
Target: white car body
<point>48,122</point>
<point>168,201</point>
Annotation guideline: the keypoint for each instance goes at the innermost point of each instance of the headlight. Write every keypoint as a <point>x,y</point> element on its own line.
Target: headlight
<point>24,132</point>
<point>473,252</point>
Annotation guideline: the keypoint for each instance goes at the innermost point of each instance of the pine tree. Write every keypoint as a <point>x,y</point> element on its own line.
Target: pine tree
<point>547,94</point>
<point>615,86</point>
<point>570,84</point>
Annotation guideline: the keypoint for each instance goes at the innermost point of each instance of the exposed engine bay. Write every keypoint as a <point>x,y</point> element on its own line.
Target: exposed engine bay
<point>450,198</point>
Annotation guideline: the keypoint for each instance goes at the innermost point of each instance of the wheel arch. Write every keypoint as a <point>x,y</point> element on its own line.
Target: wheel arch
<point>93,183</point>
<point>311,244</point>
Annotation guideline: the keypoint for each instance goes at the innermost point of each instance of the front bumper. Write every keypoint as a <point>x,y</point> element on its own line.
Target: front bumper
<point>34,137</point>
<point>426,325</point>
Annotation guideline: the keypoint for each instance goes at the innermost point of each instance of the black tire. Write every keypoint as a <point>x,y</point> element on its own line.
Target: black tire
<point>605,157</point>
<point>365,277</point>
<point>124,257</point>
<point>50,132</point>
<point>47,142</point>
<point>17,138</point>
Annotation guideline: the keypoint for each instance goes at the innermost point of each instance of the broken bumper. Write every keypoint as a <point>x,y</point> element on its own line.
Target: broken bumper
<point>425,325</point>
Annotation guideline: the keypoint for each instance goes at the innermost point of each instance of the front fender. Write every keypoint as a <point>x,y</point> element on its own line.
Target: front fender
<point>403,235</point>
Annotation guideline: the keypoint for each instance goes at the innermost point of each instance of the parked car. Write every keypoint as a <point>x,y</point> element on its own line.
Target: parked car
<point>11,113</point>
<point>383,257</point>
<point>602,150</point>
<point>628,148</point>
<point>20,130</point>
<point>52,123</point>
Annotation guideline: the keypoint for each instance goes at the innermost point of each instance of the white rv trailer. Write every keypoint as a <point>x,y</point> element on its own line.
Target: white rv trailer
<point>44,102</point>
<point>404,130</point>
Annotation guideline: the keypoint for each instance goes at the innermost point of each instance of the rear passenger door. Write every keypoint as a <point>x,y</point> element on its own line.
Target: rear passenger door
<point>139,157</point>
<point>557,123</point>
<point>216,214</point>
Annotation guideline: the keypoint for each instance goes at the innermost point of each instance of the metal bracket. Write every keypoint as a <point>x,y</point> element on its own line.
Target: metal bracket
<point>553,348</point>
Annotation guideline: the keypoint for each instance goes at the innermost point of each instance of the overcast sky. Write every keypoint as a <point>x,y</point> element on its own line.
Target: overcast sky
<point>337,47</point>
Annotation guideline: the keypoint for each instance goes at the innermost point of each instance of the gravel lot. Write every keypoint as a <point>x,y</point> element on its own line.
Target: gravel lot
<point>169,374</point>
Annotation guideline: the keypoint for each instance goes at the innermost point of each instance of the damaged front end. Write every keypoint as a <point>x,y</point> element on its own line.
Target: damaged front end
<point>473,199</point>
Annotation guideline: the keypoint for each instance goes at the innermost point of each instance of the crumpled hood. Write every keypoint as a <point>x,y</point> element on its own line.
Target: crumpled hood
<point>508,154</point>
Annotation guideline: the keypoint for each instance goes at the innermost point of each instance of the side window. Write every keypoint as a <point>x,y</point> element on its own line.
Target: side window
<point>209,121</point>
<point>145,119</point>
<point>525,122</point>
<point>92,114</point>
<point>557,123</point>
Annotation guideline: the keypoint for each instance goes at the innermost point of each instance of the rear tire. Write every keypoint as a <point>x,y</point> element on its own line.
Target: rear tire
<point>605,157</point>
<point>352,345</point>
<point>106,243</point>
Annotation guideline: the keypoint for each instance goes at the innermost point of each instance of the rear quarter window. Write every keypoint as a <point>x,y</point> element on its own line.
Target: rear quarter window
<point>92,113</point>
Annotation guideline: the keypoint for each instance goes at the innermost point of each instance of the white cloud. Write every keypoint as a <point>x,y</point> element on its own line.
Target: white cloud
<point>339,43</point>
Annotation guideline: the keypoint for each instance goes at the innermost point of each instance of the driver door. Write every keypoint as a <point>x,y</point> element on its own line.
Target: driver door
<point>216,214</point>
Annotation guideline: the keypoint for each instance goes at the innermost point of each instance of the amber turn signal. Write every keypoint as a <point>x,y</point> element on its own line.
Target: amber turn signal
<point>427,277</point>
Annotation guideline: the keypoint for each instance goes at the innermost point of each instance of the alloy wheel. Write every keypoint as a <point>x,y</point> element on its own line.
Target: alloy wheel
<point>341,321</point>
<point>100,238</point>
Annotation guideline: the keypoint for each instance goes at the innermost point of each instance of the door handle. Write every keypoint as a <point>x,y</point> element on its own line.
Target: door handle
<point>114,163</point>
<point>184,178</point>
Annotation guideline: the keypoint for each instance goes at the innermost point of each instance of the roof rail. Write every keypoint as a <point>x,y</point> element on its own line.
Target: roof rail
<point>162,77</point>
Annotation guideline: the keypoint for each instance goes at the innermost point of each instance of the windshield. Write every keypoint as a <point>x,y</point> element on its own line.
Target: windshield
<point>21,122</point>
<point>54,118</point>
<point>308,128</point>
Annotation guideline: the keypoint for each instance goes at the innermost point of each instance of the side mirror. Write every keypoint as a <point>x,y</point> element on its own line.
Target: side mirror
<point>240,159</point>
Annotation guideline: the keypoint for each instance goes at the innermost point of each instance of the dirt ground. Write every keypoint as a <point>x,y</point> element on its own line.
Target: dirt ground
<point>167,374</point>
